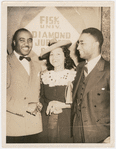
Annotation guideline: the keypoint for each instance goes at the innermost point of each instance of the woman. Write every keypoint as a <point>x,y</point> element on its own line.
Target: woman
<point>55,92</point>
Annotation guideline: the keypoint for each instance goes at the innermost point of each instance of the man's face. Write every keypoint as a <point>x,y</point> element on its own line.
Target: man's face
<point>86,45</point>
<point>23,43</point>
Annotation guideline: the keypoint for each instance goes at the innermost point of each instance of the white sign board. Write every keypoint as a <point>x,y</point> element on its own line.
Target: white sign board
<point>48,24</point>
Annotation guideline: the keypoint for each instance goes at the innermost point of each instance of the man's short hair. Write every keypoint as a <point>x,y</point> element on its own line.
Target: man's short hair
<point>15,35</point>
<point>97,34</point>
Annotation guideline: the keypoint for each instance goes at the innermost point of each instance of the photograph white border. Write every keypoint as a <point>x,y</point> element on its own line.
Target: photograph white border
<point>4,6</point>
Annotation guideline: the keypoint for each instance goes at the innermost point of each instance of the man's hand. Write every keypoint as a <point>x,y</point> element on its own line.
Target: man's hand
<point>34,107</point>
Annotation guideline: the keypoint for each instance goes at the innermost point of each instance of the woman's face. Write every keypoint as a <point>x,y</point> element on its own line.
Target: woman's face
<point>57,57</point>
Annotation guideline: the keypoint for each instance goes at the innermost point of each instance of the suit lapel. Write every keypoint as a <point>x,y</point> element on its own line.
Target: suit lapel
<point>78,77</point>
<point>34,69</point>
<point>18,66</point>
<point>32,72</point>
<point>79,70</point>
<point>95,75</point>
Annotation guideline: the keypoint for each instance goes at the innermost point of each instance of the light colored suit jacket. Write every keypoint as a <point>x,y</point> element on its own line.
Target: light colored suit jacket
<point>95,107</point>
<point>21,90</point>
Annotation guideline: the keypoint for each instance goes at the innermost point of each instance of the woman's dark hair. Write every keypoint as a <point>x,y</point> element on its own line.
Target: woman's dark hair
<point>69,63</point>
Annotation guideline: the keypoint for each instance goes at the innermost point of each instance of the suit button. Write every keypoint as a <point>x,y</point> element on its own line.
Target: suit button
<point>98,94</point>
<point>95,106</point>
<point>24,98</point>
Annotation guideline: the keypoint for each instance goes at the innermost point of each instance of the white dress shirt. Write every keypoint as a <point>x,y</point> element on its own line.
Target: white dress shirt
<point>24,62</point>
<point>91,64</point>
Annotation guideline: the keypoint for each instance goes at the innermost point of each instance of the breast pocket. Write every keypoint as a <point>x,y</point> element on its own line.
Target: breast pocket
<point>103,96</point>
<point>100,95</point>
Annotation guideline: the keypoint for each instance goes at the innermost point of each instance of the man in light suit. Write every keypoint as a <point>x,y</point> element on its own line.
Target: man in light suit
<point>91,92</point>
<point>23,118</point>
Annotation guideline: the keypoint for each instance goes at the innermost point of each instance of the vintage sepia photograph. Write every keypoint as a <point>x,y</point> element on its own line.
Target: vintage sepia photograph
<point>58,74</point>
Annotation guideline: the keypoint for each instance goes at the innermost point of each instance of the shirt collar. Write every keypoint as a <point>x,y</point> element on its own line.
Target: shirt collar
<point>17,55</point>
<point>91,64</point>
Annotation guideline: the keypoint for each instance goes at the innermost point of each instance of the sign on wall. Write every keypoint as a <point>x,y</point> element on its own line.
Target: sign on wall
<point>48,24</point>
<point>45,23</point>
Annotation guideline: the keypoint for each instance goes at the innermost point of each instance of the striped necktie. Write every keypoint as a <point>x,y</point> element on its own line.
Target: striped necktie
<point>85,70</point>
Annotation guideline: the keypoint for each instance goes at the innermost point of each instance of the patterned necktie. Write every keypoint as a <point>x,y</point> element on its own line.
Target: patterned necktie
<point>85,70</point>
<point>27,58</point>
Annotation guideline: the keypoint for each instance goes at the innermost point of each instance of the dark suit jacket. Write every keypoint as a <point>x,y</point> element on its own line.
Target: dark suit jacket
<point>21,90</point>
<point>96,102</point>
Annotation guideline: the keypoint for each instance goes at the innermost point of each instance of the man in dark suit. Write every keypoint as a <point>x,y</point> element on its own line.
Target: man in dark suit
<point>91,92</point>
<point>23,118</point>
